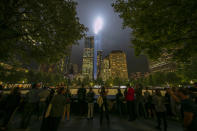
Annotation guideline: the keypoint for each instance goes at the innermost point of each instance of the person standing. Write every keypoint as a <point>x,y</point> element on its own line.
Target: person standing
<point>119,99</point>
<point>12,102</point>
<point>168,103</point>
<point>56,109</point>
<point>130,103</point>
<point>102,101</point>
<point>160,110</point>
<point>32,99</point>
<point>44,94</point>
<point>67,106</point>
<point>45,120</point>
<point>90,100</point>
<point>193,91</point>
<point>139,105</point>
<point>1,101</point>
<point>147,101</point>
<point>189,108</point>
<point>81,93</point>
<point>1,92</point>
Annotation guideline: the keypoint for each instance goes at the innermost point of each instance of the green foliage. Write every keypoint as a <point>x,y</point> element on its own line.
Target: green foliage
<point>108,82</point>
<point>86,81</point>
<point>188,71</point>
<point>99,81</point>
<point>161,26</point>
<point>11,75</point>
<point>38,30</point>
<point>160,79</point>
<point>117,81</point>
<point>18,76</point>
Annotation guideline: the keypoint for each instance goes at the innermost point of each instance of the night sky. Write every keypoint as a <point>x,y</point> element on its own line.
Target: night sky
<point>113,36</point>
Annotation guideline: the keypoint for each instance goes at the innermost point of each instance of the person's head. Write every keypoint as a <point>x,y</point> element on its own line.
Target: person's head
<point>146,88</point>
<point>128,86</point>
<point>33,86</point>
<point>45,87</point>
<point>52,91</point>
<point>119,91</point>
<point>182,93</point>
<point>61,90</point>
<point>36,85</point>
<point>158,92</point>
<point>103,89</point>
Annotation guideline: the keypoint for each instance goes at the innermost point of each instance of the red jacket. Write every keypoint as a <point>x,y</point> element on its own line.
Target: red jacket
<point>130,94</point>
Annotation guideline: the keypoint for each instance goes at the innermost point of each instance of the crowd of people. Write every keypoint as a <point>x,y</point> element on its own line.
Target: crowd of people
<point>53,105</point>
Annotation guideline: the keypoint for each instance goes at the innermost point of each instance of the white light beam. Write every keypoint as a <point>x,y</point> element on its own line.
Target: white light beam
<point>98,24</point>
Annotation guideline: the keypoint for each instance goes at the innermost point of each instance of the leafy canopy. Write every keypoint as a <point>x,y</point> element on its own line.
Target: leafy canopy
<point>161,26</point>
<point>40,30</point>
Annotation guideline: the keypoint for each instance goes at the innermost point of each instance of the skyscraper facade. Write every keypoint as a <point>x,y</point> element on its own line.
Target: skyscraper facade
<point>105,69</point>
<point>88,58</point>
<point>118,64</point>
<point>163,64</point>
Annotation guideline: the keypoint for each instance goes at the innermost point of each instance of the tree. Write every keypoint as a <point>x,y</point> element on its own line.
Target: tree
<point>38,30</point>
<point>158,78</point>
<point>161,26</point>
<point>109,82</point>
<point>117,81</point>
<point>99,81</point>
<point>188,71</point>
<point>172,78</point>
<point>86,81</point>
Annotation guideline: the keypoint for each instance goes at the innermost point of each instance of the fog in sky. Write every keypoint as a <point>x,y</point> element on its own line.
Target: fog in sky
<point>113,36</point>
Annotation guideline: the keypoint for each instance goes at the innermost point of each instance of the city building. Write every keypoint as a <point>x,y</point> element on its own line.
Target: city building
<point>75,69</point>
<point>105,69</point>
<point>88,58</point>
<point>163,64</point>
<point>118,64</point>
<point>99,62</point>
<point>61,67</point>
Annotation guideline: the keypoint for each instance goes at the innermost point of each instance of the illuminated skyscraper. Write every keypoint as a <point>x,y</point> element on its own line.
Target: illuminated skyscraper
<point>118,64</point>
<point>88,58</point>
<point>99,62</point>
<point>105,69</point>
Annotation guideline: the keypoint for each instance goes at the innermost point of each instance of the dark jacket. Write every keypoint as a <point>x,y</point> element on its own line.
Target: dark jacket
<point>81,94</point>
<point>90,97</point>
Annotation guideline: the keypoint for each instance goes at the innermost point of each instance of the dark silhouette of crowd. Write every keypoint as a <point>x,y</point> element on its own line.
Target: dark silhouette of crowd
<point>53,105</point>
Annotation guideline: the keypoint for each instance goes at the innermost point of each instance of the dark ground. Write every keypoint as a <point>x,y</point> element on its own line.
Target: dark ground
<point>82,124</point>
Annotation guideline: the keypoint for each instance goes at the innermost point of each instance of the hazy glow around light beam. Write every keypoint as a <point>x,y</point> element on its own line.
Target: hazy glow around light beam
<point>98,24</point>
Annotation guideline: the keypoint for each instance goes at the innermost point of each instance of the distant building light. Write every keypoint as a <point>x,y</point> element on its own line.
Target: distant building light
<point>123,87</point>
<point>97,86</point>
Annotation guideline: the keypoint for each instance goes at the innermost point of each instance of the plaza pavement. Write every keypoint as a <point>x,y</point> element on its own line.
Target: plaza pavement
<point>117,124</point>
